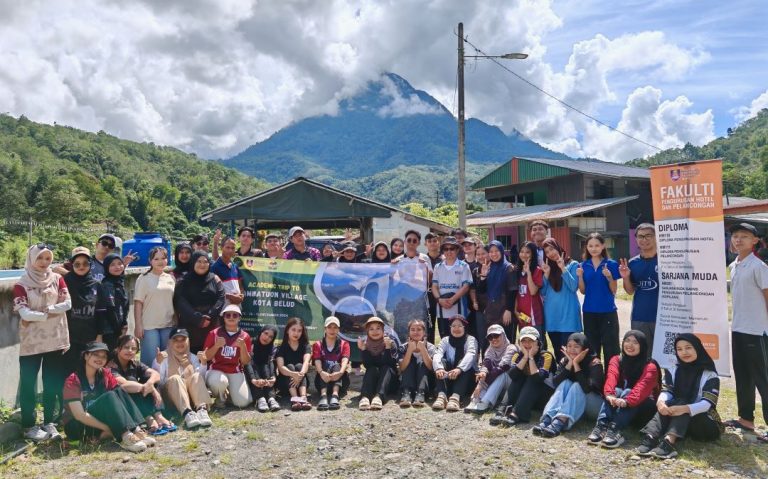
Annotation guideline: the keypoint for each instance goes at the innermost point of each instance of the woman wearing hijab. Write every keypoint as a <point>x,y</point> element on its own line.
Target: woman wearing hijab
<point>199,299</point>
<point>492,377</point>
<point>380,253</point>
<point>687,405</point>
<point>41,298</point>
<point>87,317</point>
<point>379,352</point>
<point>182,379</point>
<point>260,372</point>
<point>578,374</point>
<point>632,385</point>
<point>498,278</point>
<point>327,253</point>
<point>181,259</point>
<point>561,303</point>
<point>454,363</point>
<point>116,297</point>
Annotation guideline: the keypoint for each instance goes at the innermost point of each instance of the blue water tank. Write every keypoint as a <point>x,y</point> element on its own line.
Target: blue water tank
<point>142,243</point>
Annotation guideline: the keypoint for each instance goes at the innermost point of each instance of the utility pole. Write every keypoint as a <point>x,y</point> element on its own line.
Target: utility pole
<point>462,174</point>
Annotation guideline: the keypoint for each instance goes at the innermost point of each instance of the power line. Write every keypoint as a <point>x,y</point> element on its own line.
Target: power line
<point>587,115</point>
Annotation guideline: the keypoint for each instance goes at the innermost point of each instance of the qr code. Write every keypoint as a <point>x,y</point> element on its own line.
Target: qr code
<point>669,342</point>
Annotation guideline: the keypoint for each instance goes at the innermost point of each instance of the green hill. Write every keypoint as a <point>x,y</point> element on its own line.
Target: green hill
<point>72,184</point>
<point>744,152</point>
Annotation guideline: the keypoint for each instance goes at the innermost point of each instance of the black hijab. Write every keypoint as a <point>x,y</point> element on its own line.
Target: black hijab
<point>80,287</point>
<point>688,375</point>
<point>198,289</point>
<point>263,354</point>
<point>458,344</point>
<point>180,268</point>
<point>116,282</point>
<point>375,259</point>
<point>632,367</point>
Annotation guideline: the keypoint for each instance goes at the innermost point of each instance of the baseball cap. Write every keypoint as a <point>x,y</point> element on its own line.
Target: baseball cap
<point>529,332</point>
<point>179,332</point>
<point>118,242</point>
<point>293,231</point>
<point>430,235</point>
<point>231,308</point>
<point>110,236</point>
<point>460,318</point>
<point>80,250</point>
<point>469,239</point>
<point>332,320</point>
<point>349,245</point>
<point>94,346</point>
<point>271,235</point>
<point>743,227</point>
<point>374,319</point>
<point>449,241</point>
<point>494,329</point>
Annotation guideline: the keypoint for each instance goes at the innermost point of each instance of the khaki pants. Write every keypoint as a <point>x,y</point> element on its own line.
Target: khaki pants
<point>186,393</point>
<point>234,384</point>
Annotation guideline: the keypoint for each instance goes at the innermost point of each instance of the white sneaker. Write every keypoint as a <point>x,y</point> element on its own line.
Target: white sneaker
<point>273,404</point>
<point>36,433</point>
<point>204,418</point>
<point>191,420</point>
<point>132,443</point>
<point>53,434</point>
<point>144,437</point>
<point>262,405</point>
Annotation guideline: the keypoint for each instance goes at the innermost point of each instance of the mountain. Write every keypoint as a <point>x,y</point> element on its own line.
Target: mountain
<point>385,128</point>
<point>744,152</point>
<point>73,185</point>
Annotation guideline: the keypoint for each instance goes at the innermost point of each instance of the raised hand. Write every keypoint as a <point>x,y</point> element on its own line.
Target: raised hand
<point>361,343</point>
<point>220,342</point>
<point>624,269</point>
<point>580,271</point>
<point>160,356</point>
<point>201,357</point>
<point>607,273</point>
<point>545,268</point>
<point>388,343</point>
<point>561,262</point>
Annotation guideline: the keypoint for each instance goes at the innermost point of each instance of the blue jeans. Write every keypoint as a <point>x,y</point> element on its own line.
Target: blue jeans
<point>621,417</point>
<point>153,339</point>
<point>568,401</point>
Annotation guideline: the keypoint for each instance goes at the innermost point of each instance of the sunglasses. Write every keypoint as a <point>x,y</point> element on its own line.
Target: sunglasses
<point>202,243</point>
<point>412,240</point>
<point>231,316</point>
<point>44,246</point>
<point>107,244</point>
<point>494,336</point>
<point>81,264</point>
<point>450,249</point>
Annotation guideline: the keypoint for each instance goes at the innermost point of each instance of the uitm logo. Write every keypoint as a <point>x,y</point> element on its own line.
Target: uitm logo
<point>272,265</point>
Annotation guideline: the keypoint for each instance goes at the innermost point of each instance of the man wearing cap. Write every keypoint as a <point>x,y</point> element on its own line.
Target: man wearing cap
<point>435,256</point>
<point>106,244</point>
<point>749,288</point>
<point>273,248</point>
<point>460,235</point>
<point>200,242</point>
<point>450,284</point>
<point>640,277</point>
<point>300,250</point>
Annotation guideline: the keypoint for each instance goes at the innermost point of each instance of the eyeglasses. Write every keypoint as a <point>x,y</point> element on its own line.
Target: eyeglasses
<point>494,336</point>
<point>231,316</point>
<point>412,240</point>
<point>107,244</point>
<point>130,348</point>
<point>202,243</point>
<point>645,237</point>
<point>44,246</point>
<point>81,264</point>
<point>451,249</point>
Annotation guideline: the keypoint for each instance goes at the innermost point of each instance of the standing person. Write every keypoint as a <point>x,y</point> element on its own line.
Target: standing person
<point>229,274</point>
<point>331,357</point>
<point>246,236</point>
<point>561,303</point>
<point>228,350</point>
<point>579,373</point>
<point>182,379</point>
<point>478,295</point>
<point>261,370</point>
<point>492,378</point>
<point>396,247</point>
<point>538,231</point>
<point>200,242</point>
<point>106,244</point>
<point>455,362</point>
<point>182,255</point>
<point>379,352</point>
<point>327,253</point>
<point>415,365</point>
<point>116,297</point>
<point>687,405</point>
<point>531,366</point>
<point>749,286</point>
<point>274,249</point>
<point>380,253</point>
<point>153,305</point>
<point>301,251</point>
<point>469,248</point>
<point>97,407</point>
<point>421,260</point>
<point>41,298</point>
<point>640,277</point>
<point>435,256</point>
<point>460,235</point>
<point>499,279</point>
<point>529,307</point>
<point>632,385</point>
<point>87,316</point>
<point>450,284</point>
<point>597,282</point>
<point>199,298</point>
<point>292,359</point>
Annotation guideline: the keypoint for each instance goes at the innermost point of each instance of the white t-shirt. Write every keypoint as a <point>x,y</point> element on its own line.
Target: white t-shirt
<point>749,277</point>
<point>156,294</point>
<point>449,280</point>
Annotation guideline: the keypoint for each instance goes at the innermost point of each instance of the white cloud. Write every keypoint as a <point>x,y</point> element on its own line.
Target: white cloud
<point>746,112</point>
<point>400,105</point>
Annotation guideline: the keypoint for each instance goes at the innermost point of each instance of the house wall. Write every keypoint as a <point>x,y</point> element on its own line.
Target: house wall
<point>386,229</point>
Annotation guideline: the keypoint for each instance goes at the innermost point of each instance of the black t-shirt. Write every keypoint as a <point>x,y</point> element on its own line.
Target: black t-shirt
<point>291,356</point>
<point>136,371</point>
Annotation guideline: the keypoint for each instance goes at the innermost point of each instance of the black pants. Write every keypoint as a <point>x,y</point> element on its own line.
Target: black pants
<point>602,330</point>
<point>416,377</point>
<point>431,321</point>
<point>558,341</point>
<point>700,427</point>
<point>114,408</point>
<point>523,394</point>
<point>462,385</point>
<point>377,380</point>
<point>53,383</point>
<point>284,382</point>
<point>261,371</point>
<point>343,382</point>
<point>750,369</point>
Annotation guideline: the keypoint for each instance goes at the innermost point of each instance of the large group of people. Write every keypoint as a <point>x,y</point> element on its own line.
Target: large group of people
<point>506,335</point>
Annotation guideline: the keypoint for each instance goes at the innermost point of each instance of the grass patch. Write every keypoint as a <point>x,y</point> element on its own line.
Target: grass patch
<point>254,436</point>
<point>226,458</point>
<point>191,445</point>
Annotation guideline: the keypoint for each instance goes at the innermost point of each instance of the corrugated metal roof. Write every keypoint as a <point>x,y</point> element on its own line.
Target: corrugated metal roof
<point>604,168</point>
<point>516,216</point>
<point>500,176</point>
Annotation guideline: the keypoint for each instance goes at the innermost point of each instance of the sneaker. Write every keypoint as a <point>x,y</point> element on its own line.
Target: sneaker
<point>322,405</point>
<point>53,434</point>
<point>191,421</point>
<point>471,406</point>
<point>36,433</point>
<point>553,429</point>
<point>261,405</point>
<point>613,437</point>
<point>148,440</point>
<point>440,402</point>
<point>364,404</point>
<point>665,450</point>
<point>273,404</point>
<point>597,434</point>
<point>545,422</point>
<point>481,408</point>
<point>419,401</point>
<point>405,400</point>
<point>646,446</point>
<point>497,419</point>
<point>204,418</point>
<point>132,443</point>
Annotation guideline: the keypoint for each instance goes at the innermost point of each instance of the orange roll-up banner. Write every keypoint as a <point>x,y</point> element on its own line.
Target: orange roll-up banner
<point>688,213</point>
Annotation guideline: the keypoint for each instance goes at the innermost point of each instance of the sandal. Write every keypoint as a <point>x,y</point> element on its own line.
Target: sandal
<point>763,437</point>
<point>734,423</point>
<point>376,404</point>
<point>170,427</point>
<point>305,405</point>
<point>453,404</point>
<point>295,403</point>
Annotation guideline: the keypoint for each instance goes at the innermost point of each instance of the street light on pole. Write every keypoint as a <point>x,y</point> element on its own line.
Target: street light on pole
<point>462,168</point>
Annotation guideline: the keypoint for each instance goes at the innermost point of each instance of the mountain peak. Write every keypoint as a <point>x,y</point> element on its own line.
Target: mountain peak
<point>392,96</point>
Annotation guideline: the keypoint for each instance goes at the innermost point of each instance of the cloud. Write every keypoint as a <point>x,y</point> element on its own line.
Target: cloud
<point>744,113</point>
<point>400,105</point>
<point>215,76</point>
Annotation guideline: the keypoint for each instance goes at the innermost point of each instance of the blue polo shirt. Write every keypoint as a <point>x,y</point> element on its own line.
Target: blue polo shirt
<point>644,275</point>
<point>597,295</point>
<point>229,275</point>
